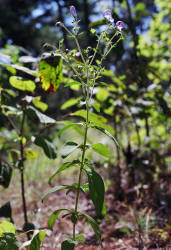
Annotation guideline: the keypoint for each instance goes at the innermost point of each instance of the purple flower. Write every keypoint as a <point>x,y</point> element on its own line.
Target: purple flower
<point>108,15</point>
<point>73,11</point>
<point>120,25</point>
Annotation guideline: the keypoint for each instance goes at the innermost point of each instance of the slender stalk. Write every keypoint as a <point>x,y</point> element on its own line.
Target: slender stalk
<point>82,159</point>
<point>12,123</point>
<point>75,38</point>
<point>106,52</point>
<point>23,195</point>
<point>79,49</point>
<point>22,170</point>
<point>97,46</point>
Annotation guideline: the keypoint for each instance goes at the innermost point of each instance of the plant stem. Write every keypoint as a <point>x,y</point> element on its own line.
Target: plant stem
<point>23,195</point>
<point>22,170</point>
<point>79,49</point>
<point>82,159</point>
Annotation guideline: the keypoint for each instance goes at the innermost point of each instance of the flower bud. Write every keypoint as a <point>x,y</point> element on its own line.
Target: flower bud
<point>73,11</point>
<point>120,25</point>
<point>58,23</point>
<point>108,15</point>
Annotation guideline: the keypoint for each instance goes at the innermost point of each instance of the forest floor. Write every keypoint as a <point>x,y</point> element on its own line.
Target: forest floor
<point>129,224</point>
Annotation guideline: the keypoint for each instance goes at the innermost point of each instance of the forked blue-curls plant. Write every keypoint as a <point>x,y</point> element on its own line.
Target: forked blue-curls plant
<point>86,72</point>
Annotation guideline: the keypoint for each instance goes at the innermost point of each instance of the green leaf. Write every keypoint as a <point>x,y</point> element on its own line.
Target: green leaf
<point>5,174</point>
<point>68,126</point>
<point>106,133</point>
<point>50,71</point>
<point>104,210</point>
<point>38,104</point>
<point>48,147</point>
<point>34,113</point>
<point>93,31</point>
<point>67,245</point>
<point>139,7</point>
<point>72,84</point>
<point>80,132</point>
<point>94,225</point>
<point>6,227</point>
<point>10,92</point>
<point>54,189</point>
<point>7,236</point>
<point>63,167</point>
<point>19,67</point>
<point>101,149</point>
<point>9,68</point>
<point>97,190</point>
<point>37,240</point>
<point>25,85</point>
<point>96,106</point>
<point>55,215</point>
<point>30,154</point>
<point>80,238</point>
<point>8,242</point>
<point>102,94</point>
<point>68,148</point>
<point>70,103</point>
<point>97,23</point>
<point>109,110</point>
<point>97,120</point>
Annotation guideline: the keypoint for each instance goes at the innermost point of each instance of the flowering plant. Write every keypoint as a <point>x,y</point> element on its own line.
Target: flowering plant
<point>86,74</point>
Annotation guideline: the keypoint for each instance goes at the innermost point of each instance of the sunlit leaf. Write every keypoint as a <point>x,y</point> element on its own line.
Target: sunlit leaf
<point>6,227</point>
<point>71,102</point>
<point>30,154</point>
<point>139,7</point>
<point>25,85</point>
<point>50,72</point>
<point>72,84</point>
<point>97,120</point>
<point>101,149</point>
<point>96,106</point>
<point>37,240</point>
<point>38,104</point>
<point>102,94</point>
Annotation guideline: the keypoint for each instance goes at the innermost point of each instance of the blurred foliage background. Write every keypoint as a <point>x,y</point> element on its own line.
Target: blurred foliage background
<point>133,101</point>
<point>136,98</point>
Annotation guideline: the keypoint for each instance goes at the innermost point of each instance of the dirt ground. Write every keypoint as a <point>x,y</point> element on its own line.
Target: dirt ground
<point>119,228</point>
